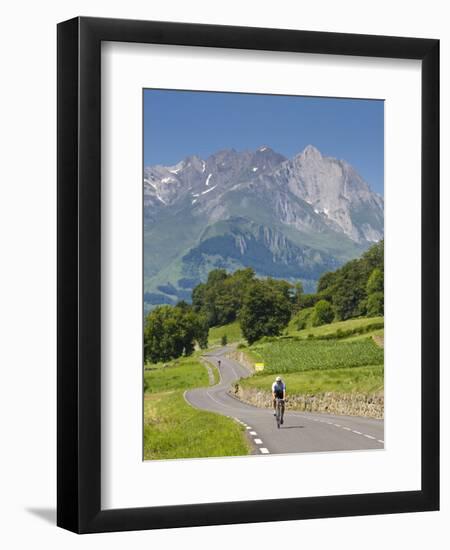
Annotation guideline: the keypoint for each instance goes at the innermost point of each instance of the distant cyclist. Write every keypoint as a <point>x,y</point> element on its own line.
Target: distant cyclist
<point>278,392</point>
<point>218,363</point>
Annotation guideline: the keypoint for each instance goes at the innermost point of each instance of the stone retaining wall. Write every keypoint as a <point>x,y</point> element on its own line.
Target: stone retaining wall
<point>242,358</point>
<point>351,404</point>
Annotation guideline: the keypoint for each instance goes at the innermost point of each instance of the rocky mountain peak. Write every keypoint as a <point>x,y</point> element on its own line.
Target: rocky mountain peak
<point>310,152</point>
<point>309,190</point>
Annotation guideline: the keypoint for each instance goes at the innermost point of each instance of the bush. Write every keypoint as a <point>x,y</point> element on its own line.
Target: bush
<point>302,318</point>
<point>308,300</point>
<point>224,340</point>
<point>323,313</point>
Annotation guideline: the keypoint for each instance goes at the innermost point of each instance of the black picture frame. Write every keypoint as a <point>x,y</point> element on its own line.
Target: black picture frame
<point>79,276</point>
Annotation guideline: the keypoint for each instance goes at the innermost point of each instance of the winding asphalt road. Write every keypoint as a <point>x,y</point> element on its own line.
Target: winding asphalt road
<point>300,433</point>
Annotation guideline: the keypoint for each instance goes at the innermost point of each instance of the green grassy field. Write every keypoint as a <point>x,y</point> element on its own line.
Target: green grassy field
<point>232,331</point>
<point>379,332</point>
<point>367,379</point>
<point>174,429</point>
<point>332,328</point>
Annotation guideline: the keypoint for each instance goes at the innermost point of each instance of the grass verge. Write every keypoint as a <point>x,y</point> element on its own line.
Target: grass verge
<point>184,373</point>
<point>368,379</point>
<point>174,429</point>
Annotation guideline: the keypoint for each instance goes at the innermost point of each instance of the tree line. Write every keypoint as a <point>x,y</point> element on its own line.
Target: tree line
<point>263,307</point>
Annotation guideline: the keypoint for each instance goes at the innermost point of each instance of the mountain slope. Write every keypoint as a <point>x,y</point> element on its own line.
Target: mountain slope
<point>291,218</point>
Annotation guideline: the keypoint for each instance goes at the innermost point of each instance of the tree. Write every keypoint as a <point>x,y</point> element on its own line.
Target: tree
<point>171,331</point>
<point>323,313</point>
<point>297,296</point>
<point>375,282</point>
<point>265,311</point>
<point>326,281</point>
<point>220,298</point>
<point>224,340</point>
<point>374,257</point>
<point>375,304</point>
<point>375,293</point>
<point>349,291</point>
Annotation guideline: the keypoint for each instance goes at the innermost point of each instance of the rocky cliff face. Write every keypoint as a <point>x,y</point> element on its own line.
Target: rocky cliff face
<point>293,218</point>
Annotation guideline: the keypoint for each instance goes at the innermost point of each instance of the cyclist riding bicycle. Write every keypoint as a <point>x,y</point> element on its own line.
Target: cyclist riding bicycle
<point>278,392</point>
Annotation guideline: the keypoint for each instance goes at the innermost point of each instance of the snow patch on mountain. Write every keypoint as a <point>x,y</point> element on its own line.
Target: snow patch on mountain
<point>208,190</point>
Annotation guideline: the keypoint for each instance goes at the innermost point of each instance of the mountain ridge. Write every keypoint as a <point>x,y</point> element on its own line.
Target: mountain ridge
<point>317,210</point>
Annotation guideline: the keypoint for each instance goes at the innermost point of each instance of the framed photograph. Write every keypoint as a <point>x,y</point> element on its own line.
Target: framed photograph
<point>248,275</point>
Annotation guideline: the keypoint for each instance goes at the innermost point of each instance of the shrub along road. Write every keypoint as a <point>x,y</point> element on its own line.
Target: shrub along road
<point>301,432</point>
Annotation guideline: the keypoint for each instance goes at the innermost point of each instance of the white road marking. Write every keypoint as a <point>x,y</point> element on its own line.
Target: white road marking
<point>249,427</point>
<point>214,399</point>
<point>234,372</point>
<point>369,436</point>
<point>346,428</point>
<point>264,451</point>
<point>258,441</point>
<point>356,432</point>
<point>380,441</point>
<point>337,425</point>
<point>253,433</point>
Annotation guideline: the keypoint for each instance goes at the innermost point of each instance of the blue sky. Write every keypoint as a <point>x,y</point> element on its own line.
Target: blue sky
<point>178,124</point>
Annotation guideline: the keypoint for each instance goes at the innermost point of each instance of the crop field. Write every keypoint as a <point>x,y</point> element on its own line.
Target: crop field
<point>283,356</point>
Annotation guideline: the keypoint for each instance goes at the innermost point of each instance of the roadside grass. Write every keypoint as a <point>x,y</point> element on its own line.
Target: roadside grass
<point>232,332</point>
<point>183,373</point>
<point>282,356</point>
<point>174,429</point>
<point>215,372</point>
<point>368,379</point>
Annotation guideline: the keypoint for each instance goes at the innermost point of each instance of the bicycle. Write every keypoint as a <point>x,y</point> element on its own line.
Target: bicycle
<point>279,410</point>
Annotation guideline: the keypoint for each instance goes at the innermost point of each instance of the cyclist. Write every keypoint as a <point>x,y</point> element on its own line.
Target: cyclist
<point>218,363</point>
<point>278,391</point>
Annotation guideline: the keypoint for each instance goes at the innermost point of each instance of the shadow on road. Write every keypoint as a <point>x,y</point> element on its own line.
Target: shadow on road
<point>290,427</point>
